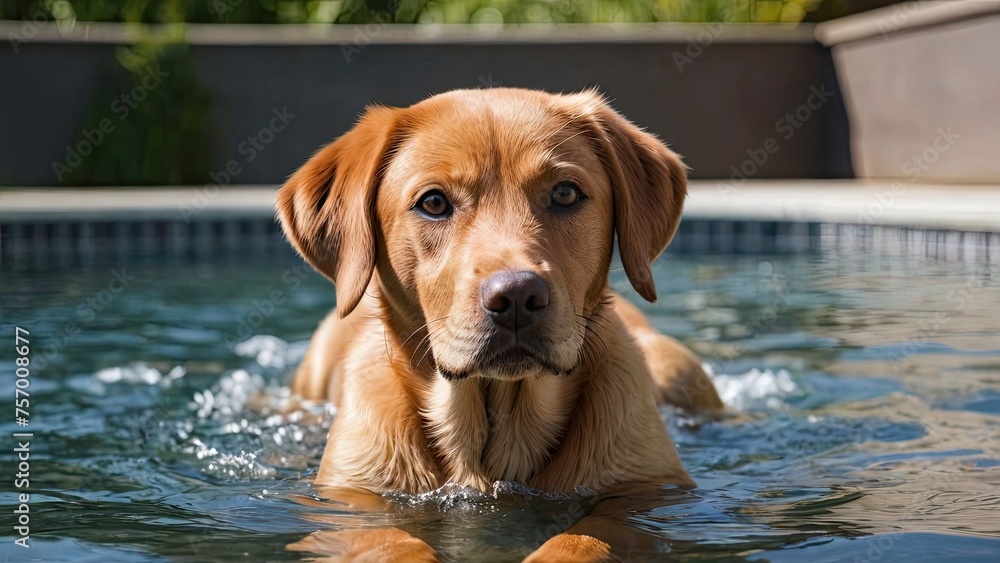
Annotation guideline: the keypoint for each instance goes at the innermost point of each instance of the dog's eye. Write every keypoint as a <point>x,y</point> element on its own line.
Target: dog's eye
<point>566,194</point>
<point>434,204</point>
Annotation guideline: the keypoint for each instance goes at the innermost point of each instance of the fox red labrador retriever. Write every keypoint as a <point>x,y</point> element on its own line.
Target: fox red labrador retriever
<point>476,338</point>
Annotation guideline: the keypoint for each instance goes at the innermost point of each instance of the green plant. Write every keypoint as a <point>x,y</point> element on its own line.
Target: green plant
<point>159,114</point>
<point>410,11</point>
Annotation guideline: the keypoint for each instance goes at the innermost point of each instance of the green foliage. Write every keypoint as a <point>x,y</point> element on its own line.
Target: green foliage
<point>166,138</point>
<point>158,111</point>
<point>409,11</point>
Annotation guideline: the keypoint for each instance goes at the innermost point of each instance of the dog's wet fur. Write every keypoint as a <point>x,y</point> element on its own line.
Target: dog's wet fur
<point>476,338</point>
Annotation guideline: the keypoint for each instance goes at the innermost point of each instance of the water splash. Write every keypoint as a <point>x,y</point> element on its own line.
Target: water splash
<point>139,372</point>
<point>755,389</point>
<point>268,351</point>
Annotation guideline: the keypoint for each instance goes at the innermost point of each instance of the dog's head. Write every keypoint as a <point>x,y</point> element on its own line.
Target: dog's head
<point>489,217</point>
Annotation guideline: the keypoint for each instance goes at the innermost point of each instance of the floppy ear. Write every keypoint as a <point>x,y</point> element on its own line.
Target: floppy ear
<point>649,183</point>
<point>327,208</point>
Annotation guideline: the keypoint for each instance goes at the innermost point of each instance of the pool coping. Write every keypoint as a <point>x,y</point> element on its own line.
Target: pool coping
<point>255,35</point>
<point>866,202</point>
<point>909,16</point>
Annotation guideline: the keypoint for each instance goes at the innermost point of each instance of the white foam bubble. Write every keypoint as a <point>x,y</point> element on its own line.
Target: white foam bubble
<point>754,389</point>
<point>139,373</point>
<point>242,466</point>
<point>234,392</point>
<point>268,351</point>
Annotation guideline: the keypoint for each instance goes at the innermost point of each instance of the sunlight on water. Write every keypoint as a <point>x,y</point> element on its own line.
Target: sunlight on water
<point>865,390</point>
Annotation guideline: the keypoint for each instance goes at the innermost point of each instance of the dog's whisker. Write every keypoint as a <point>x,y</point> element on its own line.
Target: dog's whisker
<point>385,340</point>
<point>425,340</point>
<point>600,339</point>
<point>421,327</point>
<point>600,323</point>
<point>573,136</point>
<point>597,320</point>
<point>562,127</point>
<point>427,351</point>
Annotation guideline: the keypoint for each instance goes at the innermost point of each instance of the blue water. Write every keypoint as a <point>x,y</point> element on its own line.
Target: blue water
<point>865,378</point>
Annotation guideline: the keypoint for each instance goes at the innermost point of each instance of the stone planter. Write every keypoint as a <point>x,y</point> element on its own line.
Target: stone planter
<point>921,82</point>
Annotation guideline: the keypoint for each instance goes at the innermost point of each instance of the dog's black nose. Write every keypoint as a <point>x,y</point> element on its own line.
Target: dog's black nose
<point>515,299</point>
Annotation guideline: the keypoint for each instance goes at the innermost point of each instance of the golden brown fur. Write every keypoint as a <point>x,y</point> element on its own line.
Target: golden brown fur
<point>430,391</point>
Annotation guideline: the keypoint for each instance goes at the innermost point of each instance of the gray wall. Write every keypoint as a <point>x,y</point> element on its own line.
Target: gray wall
<point>728,99</point>
<point>923,87</point>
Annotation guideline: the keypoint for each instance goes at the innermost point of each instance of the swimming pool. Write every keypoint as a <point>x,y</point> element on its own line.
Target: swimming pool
<point>864,363</point>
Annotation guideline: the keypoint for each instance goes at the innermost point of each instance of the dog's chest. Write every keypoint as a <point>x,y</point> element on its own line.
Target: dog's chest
<point>488,431</point>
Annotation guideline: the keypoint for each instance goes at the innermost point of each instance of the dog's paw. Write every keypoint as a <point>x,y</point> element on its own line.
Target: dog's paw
<point>367,546</point>
<point>572,548</point>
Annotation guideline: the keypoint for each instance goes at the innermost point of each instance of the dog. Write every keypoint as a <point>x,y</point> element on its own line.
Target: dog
<point>476,338</point>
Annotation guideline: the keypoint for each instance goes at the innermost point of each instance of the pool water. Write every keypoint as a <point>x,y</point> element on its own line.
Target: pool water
<point>864,370</point>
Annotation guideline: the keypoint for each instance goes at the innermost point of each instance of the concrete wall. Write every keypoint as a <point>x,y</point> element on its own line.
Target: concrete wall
<point>721,104</point>
<point>922,82</point>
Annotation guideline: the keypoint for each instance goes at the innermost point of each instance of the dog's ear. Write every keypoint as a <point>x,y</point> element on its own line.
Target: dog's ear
<point>327,208</point>
<point>649,183</point>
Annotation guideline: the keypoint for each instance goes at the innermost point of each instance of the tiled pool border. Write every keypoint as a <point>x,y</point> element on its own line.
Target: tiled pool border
<point>752,217</point>
<point>21,242</point>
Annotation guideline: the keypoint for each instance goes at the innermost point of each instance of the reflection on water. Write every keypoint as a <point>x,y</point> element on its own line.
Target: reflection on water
<point>866,374</point>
